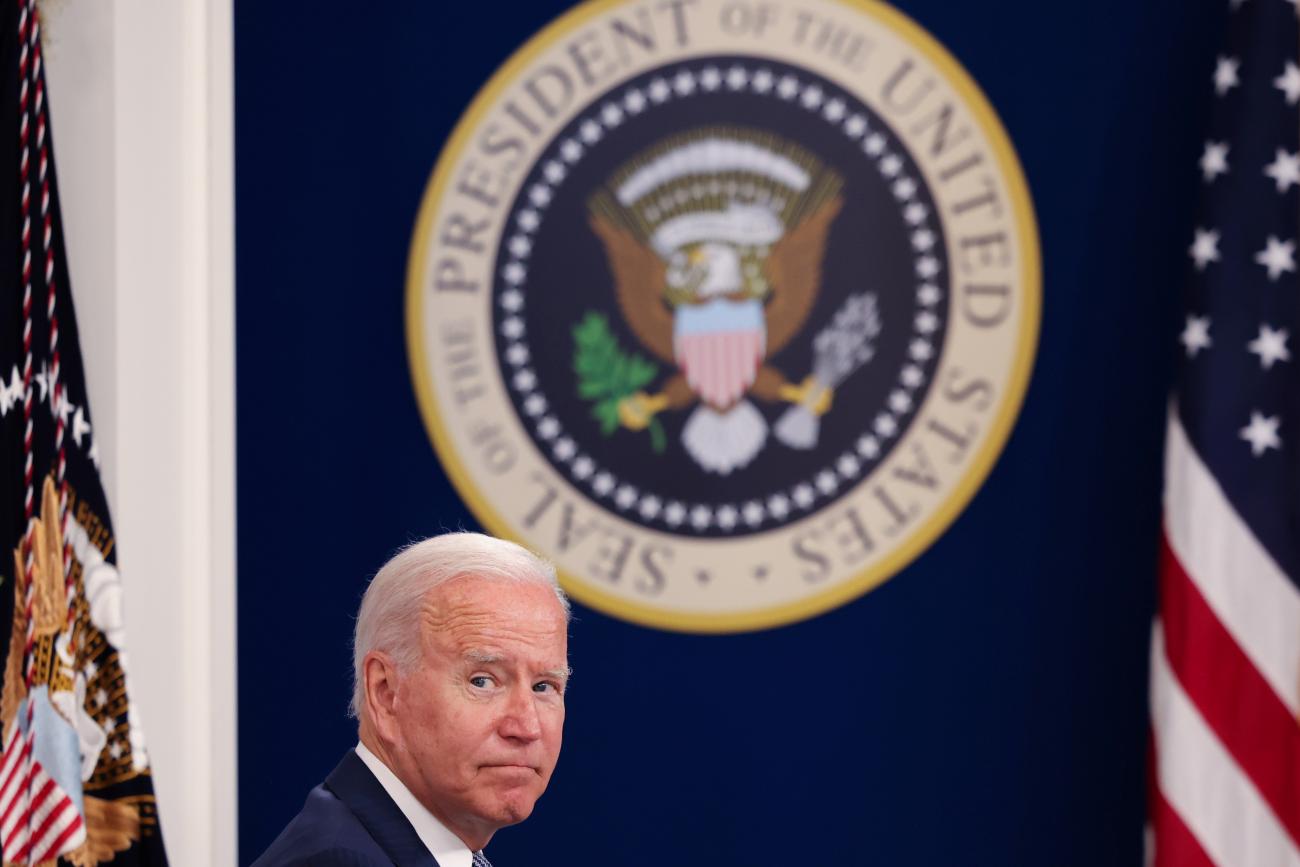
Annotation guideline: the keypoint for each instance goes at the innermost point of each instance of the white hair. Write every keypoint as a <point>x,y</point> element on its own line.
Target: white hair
<point>389,619</point>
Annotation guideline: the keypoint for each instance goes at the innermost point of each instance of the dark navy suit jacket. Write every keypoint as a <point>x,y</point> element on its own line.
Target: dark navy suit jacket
<point>348,821</point>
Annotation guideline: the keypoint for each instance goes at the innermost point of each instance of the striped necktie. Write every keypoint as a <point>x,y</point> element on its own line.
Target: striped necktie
<point>480,860</point>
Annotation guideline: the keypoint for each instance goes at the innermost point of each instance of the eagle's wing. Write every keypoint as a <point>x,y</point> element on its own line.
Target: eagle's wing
<point>794,269</point>
<point>639,285</point>
<point>111,828</point>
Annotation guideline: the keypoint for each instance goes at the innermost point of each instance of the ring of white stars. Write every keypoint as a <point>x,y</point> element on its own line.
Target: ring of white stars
<point>885,426</point>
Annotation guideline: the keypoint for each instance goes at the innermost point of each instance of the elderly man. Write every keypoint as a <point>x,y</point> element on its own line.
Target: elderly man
<point>460,663</point>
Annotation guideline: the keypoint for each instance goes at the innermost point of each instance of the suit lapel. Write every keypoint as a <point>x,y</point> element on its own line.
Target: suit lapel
<point>353,784</point>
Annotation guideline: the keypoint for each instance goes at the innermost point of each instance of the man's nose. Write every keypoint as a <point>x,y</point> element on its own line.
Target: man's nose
<point>521,720</point>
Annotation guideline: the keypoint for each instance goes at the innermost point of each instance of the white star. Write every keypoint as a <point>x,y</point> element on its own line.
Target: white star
<point>1225,74</point>
<point>753,513</point>
<point>675,513</point>
<point>803,496</point>
<point>1277,257</point>
<point>1289,83</point>
<point>1270,346</point>
<point>1196,336</point>
<point>1285,169</point>
<point>513,301</point>
<point>1214,161</point>
<point>701,517</point>
<point>779,506</point>
<point>727,516</point>
<point>80,427</point>
<point>1205,248</point>
<point>1261,433</point>
<point>634,101</point>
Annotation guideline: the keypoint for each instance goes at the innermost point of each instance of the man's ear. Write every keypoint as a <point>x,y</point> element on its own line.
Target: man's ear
<point>381,682</point>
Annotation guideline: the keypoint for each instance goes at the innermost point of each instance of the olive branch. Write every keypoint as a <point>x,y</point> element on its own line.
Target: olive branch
<point>607,375</point>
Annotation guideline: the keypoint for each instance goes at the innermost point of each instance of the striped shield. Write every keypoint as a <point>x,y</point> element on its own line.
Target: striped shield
<point>719,346</point>
<point>720,366</point>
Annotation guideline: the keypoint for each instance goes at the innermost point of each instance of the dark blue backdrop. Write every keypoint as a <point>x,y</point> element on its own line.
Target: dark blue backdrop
<point>985,706</point>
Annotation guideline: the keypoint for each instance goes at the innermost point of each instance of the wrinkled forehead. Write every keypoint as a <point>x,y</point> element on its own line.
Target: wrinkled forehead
<point>475,612</point>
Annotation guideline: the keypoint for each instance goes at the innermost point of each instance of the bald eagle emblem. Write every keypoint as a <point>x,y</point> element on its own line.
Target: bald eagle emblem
<point>715,241</point>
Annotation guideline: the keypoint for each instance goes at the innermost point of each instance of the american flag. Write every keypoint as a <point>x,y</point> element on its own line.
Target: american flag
<point>1225,650</point>
<point>75,784</point>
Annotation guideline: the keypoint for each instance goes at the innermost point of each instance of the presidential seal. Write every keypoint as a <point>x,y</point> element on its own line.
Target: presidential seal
<point>726,307</point>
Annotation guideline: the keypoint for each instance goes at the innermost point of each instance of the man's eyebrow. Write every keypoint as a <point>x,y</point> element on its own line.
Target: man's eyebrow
<point>483,657</point>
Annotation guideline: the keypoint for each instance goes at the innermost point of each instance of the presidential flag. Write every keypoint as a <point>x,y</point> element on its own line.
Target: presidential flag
<point>1225,652</point>
<point>75,785</point>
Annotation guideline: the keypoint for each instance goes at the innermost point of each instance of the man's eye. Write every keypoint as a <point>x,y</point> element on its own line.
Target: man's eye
<point>546,686</point>
<point>482,681</point>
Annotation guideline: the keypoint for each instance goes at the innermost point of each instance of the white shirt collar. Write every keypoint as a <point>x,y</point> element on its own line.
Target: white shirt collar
<point>443,845</point>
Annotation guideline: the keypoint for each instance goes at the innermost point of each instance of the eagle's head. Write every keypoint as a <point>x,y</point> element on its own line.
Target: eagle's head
<point>715,269</point>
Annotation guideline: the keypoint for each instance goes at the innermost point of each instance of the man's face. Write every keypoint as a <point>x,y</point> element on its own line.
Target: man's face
<point>479,722</point>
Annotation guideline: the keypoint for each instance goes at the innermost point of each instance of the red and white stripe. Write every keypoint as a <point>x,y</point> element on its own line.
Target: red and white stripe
<point>720,366</point>
<point>38,820</point>
<point>1225,683</point>
<point>29,571</point>
<point>56,385</point>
